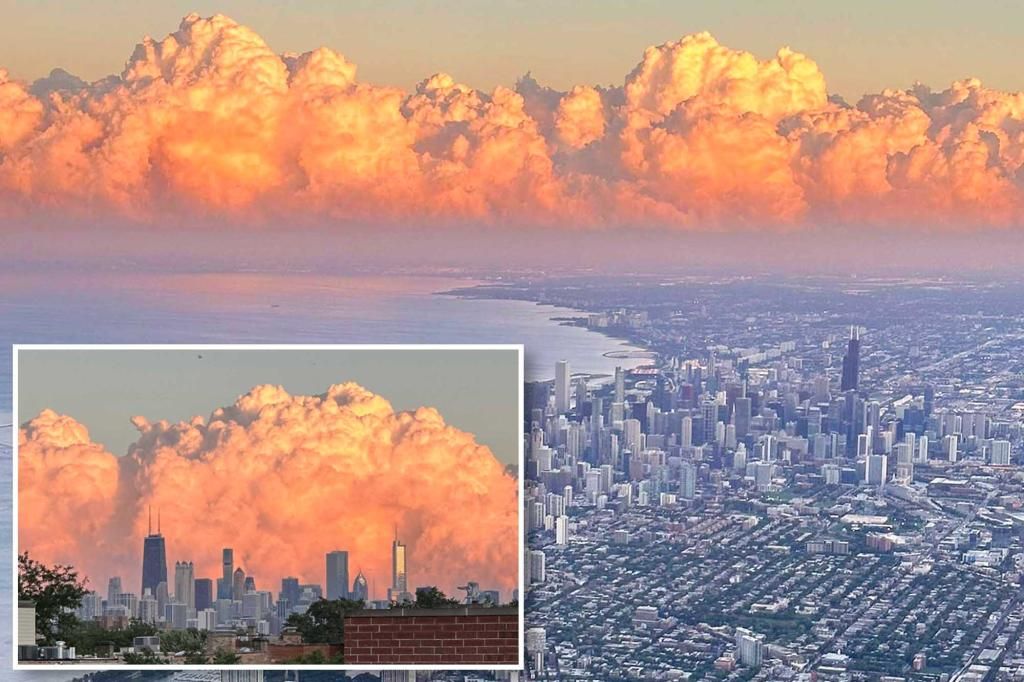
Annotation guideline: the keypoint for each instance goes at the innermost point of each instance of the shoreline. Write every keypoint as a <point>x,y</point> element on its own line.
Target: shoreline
<point>639,348</point>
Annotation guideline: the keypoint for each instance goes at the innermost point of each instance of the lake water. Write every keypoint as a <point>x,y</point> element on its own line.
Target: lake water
<point>119,307</point>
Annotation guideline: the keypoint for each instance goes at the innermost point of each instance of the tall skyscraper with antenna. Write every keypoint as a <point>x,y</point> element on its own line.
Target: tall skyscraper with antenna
<point>851,362</point>
<point>399,570</point>
<point>154,558</point>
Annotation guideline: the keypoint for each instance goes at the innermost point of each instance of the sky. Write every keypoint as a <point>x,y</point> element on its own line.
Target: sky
<point>475,390</point>
<point>817,123</point>
<point>863,47</point>
<point>282,476</point>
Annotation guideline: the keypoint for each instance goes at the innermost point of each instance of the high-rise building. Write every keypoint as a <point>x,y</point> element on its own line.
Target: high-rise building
<point>360,588</point>
<point>1000,452</point>
<point>922,449</point>
<point>176,615</point>
<point>337,574</point>
<point>148,608</point>
<point>562,530</point>
<point>290,590</point>
<point>154,558</point>
<point>620,385</point>
<point>227,576</point>
<point>741,411</point>
<point>750,647</point>
<point>185,585</point>
<point>399,568</point>
<point>536,641</point>
<point>687,481</point>
<point>238,584</point>
<point>631,435</point>
<point>204,593</point>
<point>113,590</point>
<point>851,362</point>
<point>537,560</point>
<point>709,413</point>
<point>562,386</point>
<point>875,470</point>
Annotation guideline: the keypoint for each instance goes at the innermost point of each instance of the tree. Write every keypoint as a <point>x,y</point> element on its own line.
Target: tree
<point>86,636</point>
<point>324,621</point>
<point>56,592</point>
<point>433,598</point>
<point>183,640</point>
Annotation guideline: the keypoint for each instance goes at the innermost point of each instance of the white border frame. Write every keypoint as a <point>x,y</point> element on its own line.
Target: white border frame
<point>15,426</point>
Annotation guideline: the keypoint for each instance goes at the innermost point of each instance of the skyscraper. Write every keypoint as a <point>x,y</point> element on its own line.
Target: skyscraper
<point>238,584</point>
<point>741,412</point>
<point>337,575</point>
<point>204,593</point>
<point>185,585</point>
<point>154,558</point>
<point>851,362</point>
<point>290,590</point>
<point>687,481</point>
<point>113,590</point>
<point>562,386</point>
<point>620,385</point>
<point>399,569</point>
<point>360,588</point>
<point>225,585</point>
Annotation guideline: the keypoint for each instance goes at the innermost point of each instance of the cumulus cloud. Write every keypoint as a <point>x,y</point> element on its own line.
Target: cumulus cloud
<point>282,479</point>
<point>210,121</point>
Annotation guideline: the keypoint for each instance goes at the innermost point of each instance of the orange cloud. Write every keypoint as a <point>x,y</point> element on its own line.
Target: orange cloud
<point>282,479</point>
<point>211,122</point>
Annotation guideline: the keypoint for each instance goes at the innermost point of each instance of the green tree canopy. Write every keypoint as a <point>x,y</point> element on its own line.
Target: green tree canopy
<point>86,636</point>
<point>433,598</point>
<point>324,621</point>
<point>56,590</point>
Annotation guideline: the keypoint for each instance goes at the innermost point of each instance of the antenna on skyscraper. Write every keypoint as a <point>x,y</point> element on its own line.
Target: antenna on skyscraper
<point>158,521</point>
<point>150,519</point>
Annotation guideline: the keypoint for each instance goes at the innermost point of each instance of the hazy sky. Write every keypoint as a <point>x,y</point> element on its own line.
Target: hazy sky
<point>861,47</point>
<point>474,390</point>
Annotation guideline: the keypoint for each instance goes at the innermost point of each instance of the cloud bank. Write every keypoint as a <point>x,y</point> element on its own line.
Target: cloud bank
<point>210,122</point>
<point>282,479</point>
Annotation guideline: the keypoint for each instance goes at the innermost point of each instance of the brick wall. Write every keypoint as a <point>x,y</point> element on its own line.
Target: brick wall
<point>433,636</point>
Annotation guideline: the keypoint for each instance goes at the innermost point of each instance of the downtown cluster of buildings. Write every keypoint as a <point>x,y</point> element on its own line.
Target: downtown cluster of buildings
<point>723,465</point>
<point>181,600</point>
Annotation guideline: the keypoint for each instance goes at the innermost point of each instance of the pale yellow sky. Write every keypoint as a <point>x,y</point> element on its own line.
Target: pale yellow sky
<point>861,47</point>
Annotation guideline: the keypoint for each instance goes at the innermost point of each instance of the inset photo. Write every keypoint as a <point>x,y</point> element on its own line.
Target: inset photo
<point>268,506</point>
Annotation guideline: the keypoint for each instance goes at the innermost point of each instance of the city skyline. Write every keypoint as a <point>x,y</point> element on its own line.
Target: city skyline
<point>159,603</point>
<point>282,479</point>
<point>808,478</point>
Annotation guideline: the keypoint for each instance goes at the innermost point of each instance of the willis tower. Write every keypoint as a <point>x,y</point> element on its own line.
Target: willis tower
<point>154,558</point>
<point>851,362</point>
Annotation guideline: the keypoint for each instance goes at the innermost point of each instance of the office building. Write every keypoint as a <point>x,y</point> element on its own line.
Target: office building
<point>851,363</point>
<point>562,386</point>
<point>337,574</point>
<point>154,558</point>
